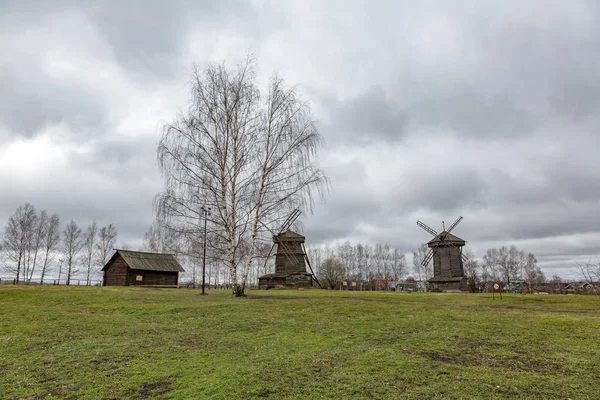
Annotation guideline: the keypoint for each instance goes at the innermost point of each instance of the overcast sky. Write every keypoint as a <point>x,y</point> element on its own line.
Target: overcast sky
<point>429,110</point>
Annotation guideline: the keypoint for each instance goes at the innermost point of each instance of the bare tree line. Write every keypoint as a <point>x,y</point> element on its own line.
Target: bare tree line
<point>359,262</point>
<point>31,243</point>
<point>503,264</point>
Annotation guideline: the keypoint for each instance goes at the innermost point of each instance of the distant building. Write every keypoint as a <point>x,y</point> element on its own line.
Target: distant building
<point>136,268</point>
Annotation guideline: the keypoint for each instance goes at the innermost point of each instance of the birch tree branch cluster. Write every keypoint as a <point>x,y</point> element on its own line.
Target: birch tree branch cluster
<point>248,154</point>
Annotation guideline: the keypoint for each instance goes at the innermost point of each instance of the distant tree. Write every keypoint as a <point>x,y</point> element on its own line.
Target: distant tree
<point>365,260</point>
<point>50,243</point>
<point>489,270</point>
<point>423,272</point>
<point>533,274</point>
<point>398,264</point>
<point>345,252</point>
<point>556,282</point>
<point>89,245</point>
<point>505,263</point>
<point>315,255</point>
<point>17,238</point>
<point>107,237</point>
<point>39,232</point>
<point>472,271</point>
<point>590,273</point>
<point>72,244</point>
<point>331,273</point>
<point>160,240</point>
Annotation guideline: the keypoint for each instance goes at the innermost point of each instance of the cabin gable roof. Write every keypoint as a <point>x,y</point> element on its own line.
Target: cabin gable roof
<point>147,261</point>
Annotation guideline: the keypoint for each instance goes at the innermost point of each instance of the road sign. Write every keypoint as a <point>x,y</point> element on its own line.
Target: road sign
<point>496,286</point>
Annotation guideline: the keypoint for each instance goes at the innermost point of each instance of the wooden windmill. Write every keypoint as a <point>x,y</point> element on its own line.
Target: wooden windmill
<point>290,258</point>
<point>446,251</point>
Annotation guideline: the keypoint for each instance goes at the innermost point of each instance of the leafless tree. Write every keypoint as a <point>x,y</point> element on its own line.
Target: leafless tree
<point>17,237</point>
<point>50,243</point>
<point>89,245</point>
<point>505,263</point>
<point>533,274</point>
<point>159,239</point>
<point>590,273</point>
<point>39,232</point>
<point>249,158</point>
<point>2,252</point>
<point>332,273</point>
<point>345,253</point>
<point>367,261</point>
<point>398,264</point>
<point>72,244</point>
<point>107,237</point>
<point>31,253</point>
<point>472,270</point>
<point>423,272</point>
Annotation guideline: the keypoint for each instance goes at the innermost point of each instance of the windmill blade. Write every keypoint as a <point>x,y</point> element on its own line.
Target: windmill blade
<point>269,229</point>
<point>290,220</point>
<point>268,255</point>
<point>426,228</point>
<point>427,258</point>
<point>454,224</point>
<point>310,266</point>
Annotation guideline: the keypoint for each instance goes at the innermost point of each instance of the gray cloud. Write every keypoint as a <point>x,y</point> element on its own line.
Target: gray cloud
<point>429,111</point>
<point>33,101</point>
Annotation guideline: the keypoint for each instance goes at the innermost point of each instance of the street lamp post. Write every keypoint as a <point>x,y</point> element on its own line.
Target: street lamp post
<point>206,212</point>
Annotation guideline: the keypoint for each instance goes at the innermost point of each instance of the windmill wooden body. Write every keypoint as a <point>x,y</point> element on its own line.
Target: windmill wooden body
<point>290,259</point>
<point>445,249</point>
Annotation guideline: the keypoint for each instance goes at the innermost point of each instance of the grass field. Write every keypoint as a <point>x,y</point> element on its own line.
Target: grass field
<point>128,343</point>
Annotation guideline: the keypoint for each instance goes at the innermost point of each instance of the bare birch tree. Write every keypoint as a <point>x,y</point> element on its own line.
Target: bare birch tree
<point>398,264</point>
<point>17,235</point>
<point>107,237</point>
<point>89,245</point>
<point>590,273</point>
<point>158,239</point>
<point>50,243</point>
<point>30,238</point>
<point>249,158</point>
<point>39,232</point>
<point>423,272</point>
<point>72,244</point>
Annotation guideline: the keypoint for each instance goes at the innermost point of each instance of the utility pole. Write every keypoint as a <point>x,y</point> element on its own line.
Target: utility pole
<point>206,212</point>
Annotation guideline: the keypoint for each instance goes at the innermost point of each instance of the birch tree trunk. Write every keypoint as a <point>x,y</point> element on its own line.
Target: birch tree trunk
<point>51,241</point>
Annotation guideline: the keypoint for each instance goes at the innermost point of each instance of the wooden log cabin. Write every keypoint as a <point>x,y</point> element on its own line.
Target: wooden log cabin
<point>136,268</point>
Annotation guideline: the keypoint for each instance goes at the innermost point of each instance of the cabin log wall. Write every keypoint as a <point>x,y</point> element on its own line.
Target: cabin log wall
<point>116,274</point>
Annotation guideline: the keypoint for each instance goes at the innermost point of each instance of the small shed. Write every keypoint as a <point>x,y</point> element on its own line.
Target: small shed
<point>136,268</point>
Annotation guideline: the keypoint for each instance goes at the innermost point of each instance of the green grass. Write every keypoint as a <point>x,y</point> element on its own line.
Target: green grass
<point>129,343</point>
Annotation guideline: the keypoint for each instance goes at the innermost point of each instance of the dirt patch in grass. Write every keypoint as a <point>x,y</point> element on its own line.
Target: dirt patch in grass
<point>150,389</point>
<point>524,363</point>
